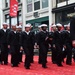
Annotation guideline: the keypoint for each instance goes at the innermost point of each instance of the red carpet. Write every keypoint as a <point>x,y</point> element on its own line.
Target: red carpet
<point>36,69</point>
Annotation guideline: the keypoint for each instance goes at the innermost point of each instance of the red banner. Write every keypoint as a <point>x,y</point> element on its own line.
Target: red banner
<point>13,8</point>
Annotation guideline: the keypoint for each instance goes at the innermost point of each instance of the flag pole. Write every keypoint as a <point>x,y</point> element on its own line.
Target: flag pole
<point>10,17</point>
<point>17,18</point>
<point>10,22</point>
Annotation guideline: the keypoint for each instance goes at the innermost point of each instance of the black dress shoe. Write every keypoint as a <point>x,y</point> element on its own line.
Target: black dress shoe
<point>14,65</point>
<point>60,65</point>
<point>32,62</point>
<point>39,62</point>
<point>69,63</point>
<point>44,66</point>
<point>1,63</point>
<point>54,62</point>
<point>5,63</point>
<point>27,67</point>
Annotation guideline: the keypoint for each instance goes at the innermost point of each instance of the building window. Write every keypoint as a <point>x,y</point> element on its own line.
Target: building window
<point>36,4</point>
<point>6,3</point>
<point>44,3</point>
<point>19,0</point>
<point>13,19</point>
<point>7,18</point>
<point>20,16</point>
<point>29,5</point>
<point>29,1</point>
<point>59,1</point>
<point>19,12</point>
<point>64,17</point>
<point>59,17</point>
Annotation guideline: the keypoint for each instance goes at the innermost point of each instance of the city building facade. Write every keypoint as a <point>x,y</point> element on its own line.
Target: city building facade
<point>38,12</point>
<point>63,10</point>
<point>35,12</point>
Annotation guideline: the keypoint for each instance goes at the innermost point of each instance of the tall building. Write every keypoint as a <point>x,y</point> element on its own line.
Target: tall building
<point>38,12</point>
<point>63,10</point>
<point>35,12</point>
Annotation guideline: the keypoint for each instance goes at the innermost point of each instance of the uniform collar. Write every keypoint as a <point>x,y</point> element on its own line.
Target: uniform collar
<point>27,32</point>
<point>4,30</point>
<point>68,31</point>
<point>14,31</point>
<point>44,31</point>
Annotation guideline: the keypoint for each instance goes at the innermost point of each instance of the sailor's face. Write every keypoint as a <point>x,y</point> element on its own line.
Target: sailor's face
<point>27,29</point>
<point>68,28</point>
<point>54,28</point>
<point>40,29</point>
<point>13,27</point>
<point>5,26</point>
<point>59,28</point>
<point>44,28</point>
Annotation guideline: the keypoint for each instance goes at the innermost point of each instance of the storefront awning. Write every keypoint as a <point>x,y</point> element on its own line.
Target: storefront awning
<point>67,7</point>
<point>38,20</point>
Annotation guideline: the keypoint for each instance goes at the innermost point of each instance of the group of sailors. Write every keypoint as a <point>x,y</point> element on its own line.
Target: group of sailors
<point>16,41</point>
<point>59,42</point>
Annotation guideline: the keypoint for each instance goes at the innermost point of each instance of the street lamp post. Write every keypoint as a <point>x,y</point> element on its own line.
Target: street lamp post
<point>50,14</point>
<point>23,13</point>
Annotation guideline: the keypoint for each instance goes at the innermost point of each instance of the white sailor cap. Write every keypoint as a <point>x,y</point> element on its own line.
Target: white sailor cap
<point>68,24</point>
<point>59,25</point>
<point>30,25</point>
<point>65,25</point>
<point>39,26</point>
<point>5,23</point>
<point>44,25</point>
<point>53,25</point>
<point>19,26</point>
<point>13,25</point>
<point>27,25</point>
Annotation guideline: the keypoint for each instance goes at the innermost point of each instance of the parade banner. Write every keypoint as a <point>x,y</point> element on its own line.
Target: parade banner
<point>13,8</point>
